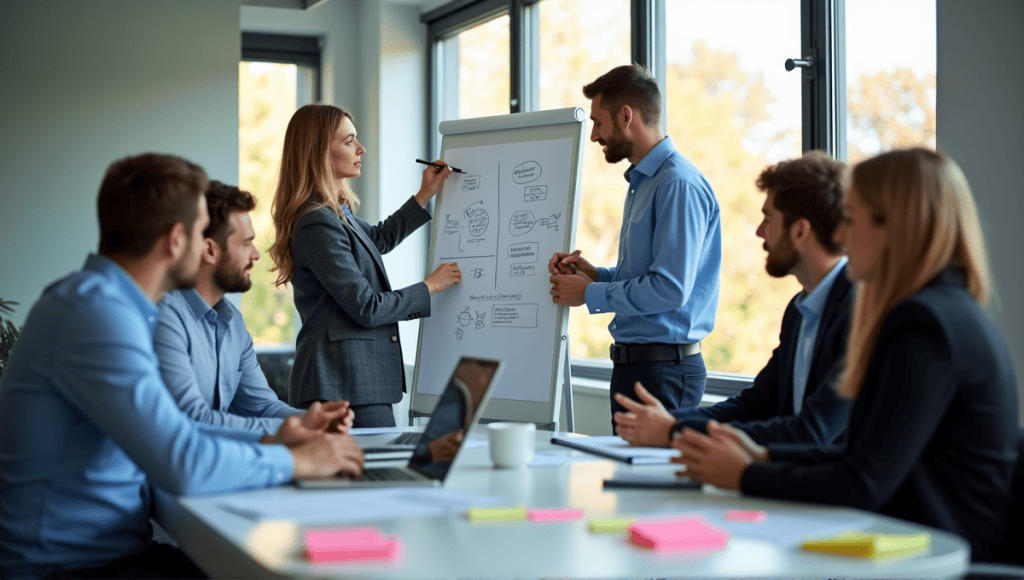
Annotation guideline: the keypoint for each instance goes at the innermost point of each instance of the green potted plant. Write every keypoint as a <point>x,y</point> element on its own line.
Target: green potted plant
<point>8,332</point>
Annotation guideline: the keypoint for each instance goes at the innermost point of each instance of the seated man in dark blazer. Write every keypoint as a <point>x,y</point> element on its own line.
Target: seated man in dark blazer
<point>792,398</point>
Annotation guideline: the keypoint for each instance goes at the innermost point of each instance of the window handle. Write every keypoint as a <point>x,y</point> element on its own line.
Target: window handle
<point>806,62</point>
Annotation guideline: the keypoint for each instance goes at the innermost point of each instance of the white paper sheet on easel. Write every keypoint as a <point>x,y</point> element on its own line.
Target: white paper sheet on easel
<point>501,222</point>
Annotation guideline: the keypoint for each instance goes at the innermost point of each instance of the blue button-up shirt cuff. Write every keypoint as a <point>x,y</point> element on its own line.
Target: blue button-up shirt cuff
<point>596,297</point>
<point>603,275</point>
<point>280,458</point>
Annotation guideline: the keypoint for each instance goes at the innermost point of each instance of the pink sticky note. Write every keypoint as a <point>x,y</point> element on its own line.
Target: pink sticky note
<point>689,534</point>
<point>357,544</point>
<point>543,515</point>
<point>753,516</point>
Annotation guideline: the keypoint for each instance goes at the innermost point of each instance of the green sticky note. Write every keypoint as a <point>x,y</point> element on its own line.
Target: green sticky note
<point>496,514</point>
<point>865,545</point>
<point>611,525</point>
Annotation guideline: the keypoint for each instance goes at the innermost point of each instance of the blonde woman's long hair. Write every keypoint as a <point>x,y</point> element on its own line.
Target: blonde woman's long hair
<point>931,222</point>
<point>306,181</point>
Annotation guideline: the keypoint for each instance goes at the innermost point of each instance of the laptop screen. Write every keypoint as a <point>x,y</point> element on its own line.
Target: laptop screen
<point>457,411</point>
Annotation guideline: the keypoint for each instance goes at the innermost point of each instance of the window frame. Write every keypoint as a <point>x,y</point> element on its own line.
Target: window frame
<point>306,52</point>
<point>823,88</point>
<point>302,51</point>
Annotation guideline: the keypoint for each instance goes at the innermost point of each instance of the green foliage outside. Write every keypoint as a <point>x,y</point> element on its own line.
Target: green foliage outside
<point>266,103</point>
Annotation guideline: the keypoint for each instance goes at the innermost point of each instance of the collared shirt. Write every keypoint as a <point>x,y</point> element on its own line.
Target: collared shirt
<point>810,306</point>
<point>208,363</point>
<point>86,426</point>
<point>664,287</point>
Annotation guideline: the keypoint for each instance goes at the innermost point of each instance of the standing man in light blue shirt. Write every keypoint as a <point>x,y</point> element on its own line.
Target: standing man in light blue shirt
<point>206,353</point>
<point>664,288</point>
<point>87,426</point>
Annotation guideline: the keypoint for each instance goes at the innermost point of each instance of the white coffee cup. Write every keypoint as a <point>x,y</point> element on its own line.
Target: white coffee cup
<point>511,443</point>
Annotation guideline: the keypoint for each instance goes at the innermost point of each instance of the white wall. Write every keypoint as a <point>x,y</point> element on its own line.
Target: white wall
<point>980,122</point>
<point>403,105</point>
<point>86,83</point>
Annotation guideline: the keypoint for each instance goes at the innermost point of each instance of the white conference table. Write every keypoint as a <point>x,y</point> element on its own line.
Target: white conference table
<point>229,545</point>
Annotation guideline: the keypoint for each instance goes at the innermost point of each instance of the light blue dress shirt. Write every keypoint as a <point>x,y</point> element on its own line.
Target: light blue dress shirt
<point>86,426</point>
<point>208,364</point>
<point>810,306</point>
<point>664,287</point>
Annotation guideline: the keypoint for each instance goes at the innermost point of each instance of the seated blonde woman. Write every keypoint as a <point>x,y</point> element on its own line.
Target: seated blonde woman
<point>934,420</point>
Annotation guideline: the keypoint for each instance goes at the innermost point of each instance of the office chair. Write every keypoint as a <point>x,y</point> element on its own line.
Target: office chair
<point>1009,554</point>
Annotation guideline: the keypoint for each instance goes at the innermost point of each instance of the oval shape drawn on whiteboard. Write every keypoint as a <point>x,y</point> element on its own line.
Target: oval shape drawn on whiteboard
<point>521,223</point>
<point>526,172</point>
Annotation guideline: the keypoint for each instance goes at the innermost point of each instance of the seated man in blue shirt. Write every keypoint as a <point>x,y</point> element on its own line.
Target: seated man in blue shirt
<point>664,288</point>
<point>792,399</point>
<point>87,428</point>
<point>206,353</point>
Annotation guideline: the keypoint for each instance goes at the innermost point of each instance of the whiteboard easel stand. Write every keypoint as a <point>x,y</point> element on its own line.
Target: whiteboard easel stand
<point>566,395</point>
<point>566,387</point>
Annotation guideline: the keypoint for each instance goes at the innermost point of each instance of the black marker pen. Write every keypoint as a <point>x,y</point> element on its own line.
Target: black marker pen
<point>439,167</point>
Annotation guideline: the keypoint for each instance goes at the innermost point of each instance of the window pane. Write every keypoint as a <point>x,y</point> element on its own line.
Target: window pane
<point>477,62</point>
<point>579,41</point>
<point>268,95</point>
<point>732,109</point>
<point>890,75</point>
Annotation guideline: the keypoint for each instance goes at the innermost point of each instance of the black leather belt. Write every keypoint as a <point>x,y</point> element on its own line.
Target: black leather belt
<point>653,352</point>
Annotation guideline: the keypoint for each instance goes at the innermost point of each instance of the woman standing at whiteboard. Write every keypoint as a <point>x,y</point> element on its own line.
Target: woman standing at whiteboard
<point>348,346</point>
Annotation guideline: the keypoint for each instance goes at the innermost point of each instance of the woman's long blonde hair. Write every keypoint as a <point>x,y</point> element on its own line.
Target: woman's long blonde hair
<point>306,181</point>
<point>931,222</point>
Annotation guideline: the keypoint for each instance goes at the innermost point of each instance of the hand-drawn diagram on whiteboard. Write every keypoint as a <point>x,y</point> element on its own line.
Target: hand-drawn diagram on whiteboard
<point>501,225</point>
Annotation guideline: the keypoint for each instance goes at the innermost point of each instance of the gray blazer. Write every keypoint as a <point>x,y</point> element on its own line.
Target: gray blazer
<point>348,346</point>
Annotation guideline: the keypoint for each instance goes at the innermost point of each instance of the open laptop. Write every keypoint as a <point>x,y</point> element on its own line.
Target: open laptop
<point>387,445</point>
<point>458,410</point>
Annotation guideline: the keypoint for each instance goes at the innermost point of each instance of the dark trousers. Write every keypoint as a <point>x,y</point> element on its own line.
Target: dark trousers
<point>677,384</point>
<point>156,561</point>
<point>373,416</point>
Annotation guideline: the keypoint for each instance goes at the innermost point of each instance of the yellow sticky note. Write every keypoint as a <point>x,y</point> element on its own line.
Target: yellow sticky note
<point>610,525</point>
<point>865,545</point>
<point>496,514</point>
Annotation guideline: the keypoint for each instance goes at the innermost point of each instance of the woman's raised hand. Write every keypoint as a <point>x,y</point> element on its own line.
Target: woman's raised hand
<point>443,277</point>
<point>433,177</point>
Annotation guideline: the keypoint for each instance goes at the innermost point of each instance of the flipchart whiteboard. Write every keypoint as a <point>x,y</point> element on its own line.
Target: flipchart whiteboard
<point>501,221</point>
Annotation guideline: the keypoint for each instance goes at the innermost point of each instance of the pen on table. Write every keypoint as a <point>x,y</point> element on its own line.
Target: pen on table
<point>439,167</point>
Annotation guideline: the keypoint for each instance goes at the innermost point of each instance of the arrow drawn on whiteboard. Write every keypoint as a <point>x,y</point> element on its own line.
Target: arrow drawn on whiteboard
<point>469,208</point>
<point>550,222</point>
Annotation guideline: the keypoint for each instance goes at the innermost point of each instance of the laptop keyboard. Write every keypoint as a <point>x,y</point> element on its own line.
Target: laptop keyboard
<point>396,450</point>
<point>411,438</point>
<point>387,474</point>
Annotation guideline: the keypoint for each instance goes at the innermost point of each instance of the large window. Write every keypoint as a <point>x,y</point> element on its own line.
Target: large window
<point>890,93</point>
<point>270,89</point>
<point>476,61</point>
<point>732,109</point>
<point>579,41</point>
<point>731,106</point>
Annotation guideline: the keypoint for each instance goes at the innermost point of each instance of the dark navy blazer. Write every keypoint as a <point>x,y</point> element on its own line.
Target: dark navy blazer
<point>765,409</point>
<point>932,434</point>
<point>348,346</point>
